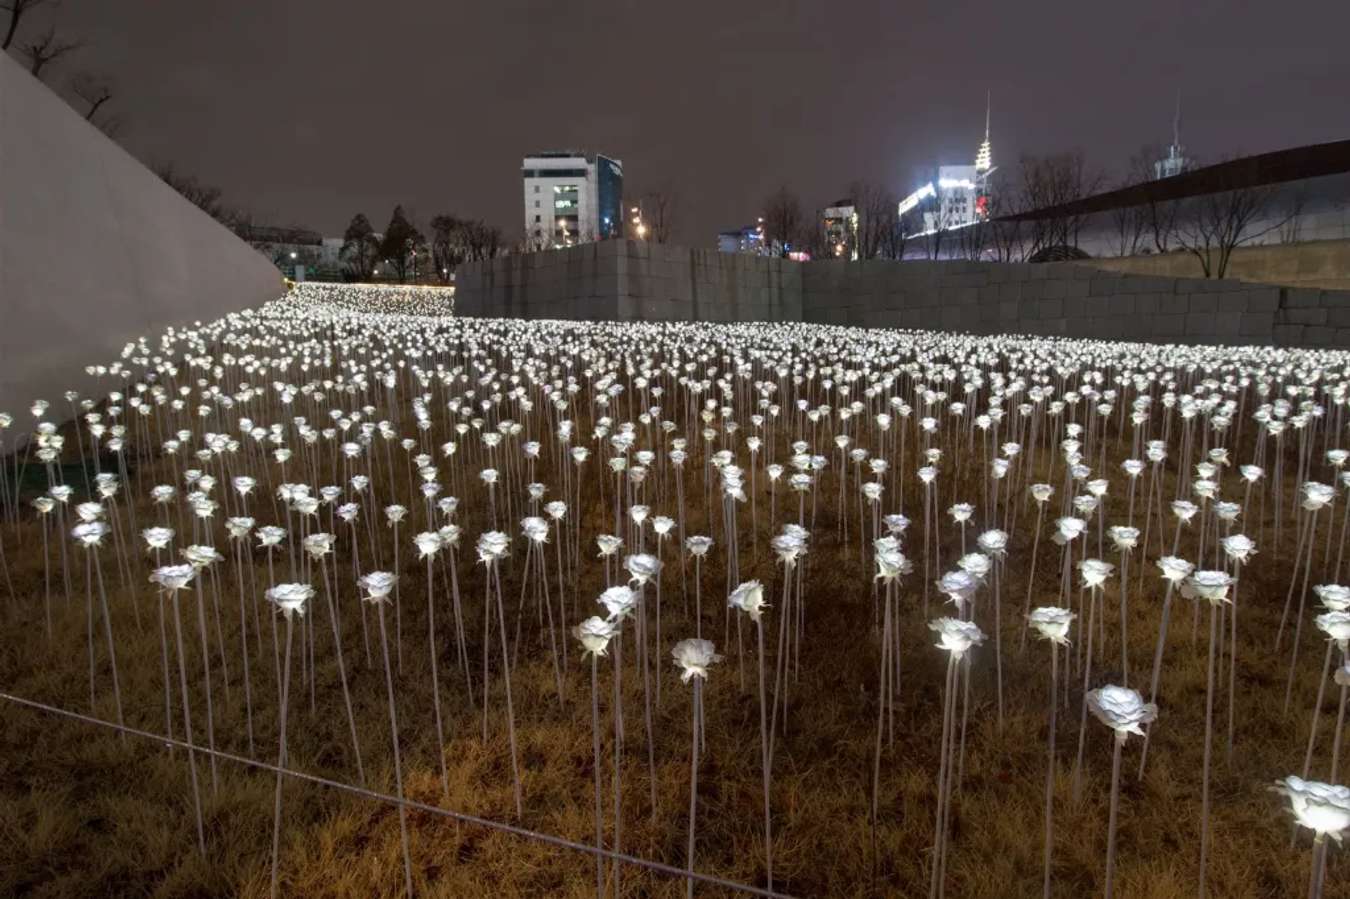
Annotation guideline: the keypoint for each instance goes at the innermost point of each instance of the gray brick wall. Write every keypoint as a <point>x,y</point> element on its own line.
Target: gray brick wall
<point>627,280</point>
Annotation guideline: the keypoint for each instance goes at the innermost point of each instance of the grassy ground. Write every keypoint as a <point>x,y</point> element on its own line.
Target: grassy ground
<point>85,813</point>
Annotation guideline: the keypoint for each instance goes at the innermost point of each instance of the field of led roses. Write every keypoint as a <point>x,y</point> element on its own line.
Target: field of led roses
<point>348,596</point>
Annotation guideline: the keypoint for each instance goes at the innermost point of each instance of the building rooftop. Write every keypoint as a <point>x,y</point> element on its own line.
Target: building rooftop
<point>1296,164</point>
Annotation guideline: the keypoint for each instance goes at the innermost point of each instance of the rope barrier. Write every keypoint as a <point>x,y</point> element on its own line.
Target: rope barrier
<point>562,842</point>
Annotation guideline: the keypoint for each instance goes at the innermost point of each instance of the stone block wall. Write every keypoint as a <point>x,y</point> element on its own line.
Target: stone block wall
<point>625,280</point>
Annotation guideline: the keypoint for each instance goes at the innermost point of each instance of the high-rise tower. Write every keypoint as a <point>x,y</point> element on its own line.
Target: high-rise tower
<point>984,157</point>
<point>1175,162</point>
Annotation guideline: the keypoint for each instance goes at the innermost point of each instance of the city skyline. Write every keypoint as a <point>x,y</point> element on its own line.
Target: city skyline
<point>434,109</point>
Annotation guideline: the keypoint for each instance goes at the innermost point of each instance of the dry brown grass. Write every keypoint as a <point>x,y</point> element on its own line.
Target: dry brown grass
<point>86,814</point>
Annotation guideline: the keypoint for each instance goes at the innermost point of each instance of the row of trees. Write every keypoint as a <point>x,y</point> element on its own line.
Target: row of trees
<point>402,250</point>
<point>1209,227</point>
<point>44,51</point>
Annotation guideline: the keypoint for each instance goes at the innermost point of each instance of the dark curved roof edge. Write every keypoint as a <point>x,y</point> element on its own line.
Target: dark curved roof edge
<point>1295,164</point>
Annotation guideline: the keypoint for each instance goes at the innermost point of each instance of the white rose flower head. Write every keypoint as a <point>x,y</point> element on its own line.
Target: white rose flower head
<point>87,512</point>
<point>1184,510</point>
<point>290,598</point>
<point>1068,529</point>
<point>956,636</point>
<point>993,542</point>
<point>157,538</point>
<point>201,556</point>
<point>694,657</point>
<point>270,535</point>
<point>1124,537</point>
<point>1316,496</point>
<point>534,528</point>
<point>891,564</point>
<point>1094,572</point>
<point>959,585</point>
<point>787,547</point>
<point>642,568</point>
<point>1239,547</point>
<point>895,523</point>
<point>976,565</point>
<point>427,543</point>
<point>749,598</point>
<point>595,633</point>
<point>319,545</point>
<point>698,544</point>
<point>1208,585</point>
<point>1121,709</point>
<point>492,546</point>
<point>1334,596</point>
<point>619,601</point>
<point>1336,625</point>
<point>172,578</point>
<point>1052,623</point>
<point>1320,807</point>
<point>608,544</point>
<point>1175,569</point>
<point>378,585</point>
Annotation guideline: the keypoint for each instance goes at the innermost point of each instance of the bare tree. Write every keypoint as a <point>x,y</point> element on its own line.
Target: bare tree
<point>1158,218</point>
<point>813,238</point>
<point>16,10</point>
<point>936,225</point>
<point>782,220</point>
<point>45,50</point>
<point>482,241</point>
<point>1050,183</point>
<point>1006,234</point>
<point>1292,229</point>
<point>875,207</point>
<point>204,196</point>
<point>93,90</point>
<point>1130,224</point>
<point>659,209</point>
<point>1212,225</point>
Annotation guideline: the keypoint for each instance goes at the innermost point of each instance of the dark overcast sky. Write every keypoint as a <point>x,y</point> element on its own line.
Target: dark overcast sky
<point>307,111</point>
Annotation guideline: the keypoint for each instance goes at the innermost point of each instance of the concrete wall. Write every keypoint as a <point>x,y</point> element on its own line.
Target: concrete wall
<point>1321,263</point>
<point>95,250</point>
<point>624,280</point>
<point>629,279</point>
<point>1070,300</point>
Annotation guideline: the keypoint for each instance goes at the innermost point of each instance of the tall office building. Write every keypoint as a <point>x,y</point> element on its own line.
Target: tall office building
<point>572,198</point>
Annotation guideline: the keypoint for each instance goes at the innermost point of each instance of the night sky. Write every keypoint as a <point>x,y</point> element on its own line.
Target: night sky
<point>307,111</point>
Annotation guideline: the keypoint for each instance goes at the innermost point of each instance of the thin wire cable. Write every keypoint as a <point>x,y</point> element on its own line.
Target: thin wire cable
<point>563,842</point>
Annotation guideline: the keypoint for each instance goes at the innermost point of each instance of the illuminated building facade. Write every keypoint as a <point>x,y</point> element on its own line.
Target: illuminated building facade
<point>840,225</point>
<point>571,198</point>
<point>960,195</point>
